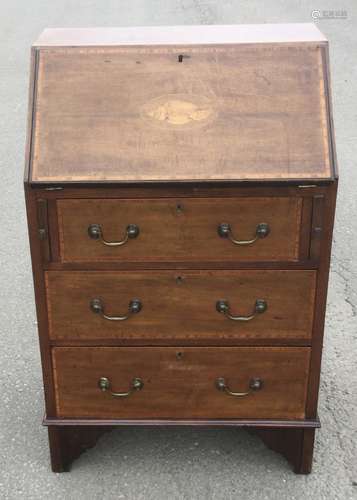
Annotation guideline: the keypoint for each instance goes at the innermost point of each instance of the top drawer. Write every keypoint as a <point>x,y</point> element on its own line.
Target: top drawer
<point>191,229</point>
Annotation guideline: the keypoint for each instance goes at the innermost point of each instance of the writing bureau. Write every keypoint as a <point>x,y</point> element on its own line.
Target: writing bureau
<point>180,187</point>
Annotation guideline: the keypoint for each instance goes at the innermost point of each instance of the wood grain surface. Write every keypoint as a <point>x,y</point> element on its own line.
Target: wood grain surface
<point>181,305</point>
<point>180,230</point>
<point>181,386</point>
<point>222,112</point>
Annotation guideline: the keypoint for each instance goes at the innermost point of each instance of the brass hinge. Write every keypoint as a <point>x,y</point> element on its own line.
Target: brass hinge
<point>42,221</point>
<point>42,232</point>
<point>318,206</point>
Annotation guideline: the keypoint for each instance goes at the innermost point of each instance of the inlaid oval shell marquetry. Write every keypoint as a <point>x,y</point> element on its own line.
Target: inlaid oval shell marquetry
<point>179,110</point>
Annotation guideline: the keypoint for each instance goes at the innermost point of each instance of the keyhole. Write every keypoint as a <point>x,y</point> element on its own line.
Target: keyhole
<point>179,208</point>
<point>179,280</point>
<point>181,56</point>
<point>179,355</point>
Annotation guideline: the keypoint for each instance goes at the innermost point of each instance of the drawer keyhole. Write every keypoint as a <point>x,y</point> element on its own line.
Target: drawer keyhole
<point>179,208</point>
<point>179,280</point>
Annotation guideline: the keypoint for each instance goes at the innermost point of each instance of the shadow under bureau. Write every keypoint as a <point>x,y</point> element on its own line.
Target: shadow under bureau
<point>180,187</point>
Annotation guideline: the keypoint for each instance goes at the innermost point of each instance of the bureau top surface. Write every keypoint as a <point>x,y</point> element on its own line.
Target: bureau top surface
<point>184,103</point>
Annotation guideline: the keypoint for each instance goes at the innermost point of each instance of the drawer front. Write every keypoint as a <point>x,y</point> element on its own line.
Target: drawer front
<point>180,230</point>
<point>190,305</point>
<point>185,383</point>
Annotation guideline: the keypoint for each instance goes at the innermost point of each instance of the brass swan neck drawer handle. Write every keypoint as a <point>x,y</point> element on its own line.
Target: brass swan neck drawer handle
<point>97,307</point>
<point>223,307</point>
<point>261,231</point>
<point>104,385</point>
<point>96,233</point>
<point>255,384</point>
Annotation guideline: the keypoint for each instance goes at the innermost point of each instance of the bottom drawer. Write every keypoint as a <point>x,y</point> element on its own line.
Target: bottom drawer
<point>193,382</point>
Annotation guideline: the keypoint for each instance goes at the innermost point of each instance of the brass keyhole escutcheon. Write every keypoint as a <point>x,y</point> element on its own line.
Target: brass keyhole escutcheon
<point>179,208</point>
<point>179,280</point>
<point>179,355</point>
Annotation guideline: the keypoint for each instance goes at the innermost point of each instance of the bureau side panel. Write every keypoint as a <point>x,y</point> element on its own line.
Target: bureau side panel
<point>322,238</point>
<point>39,255</point>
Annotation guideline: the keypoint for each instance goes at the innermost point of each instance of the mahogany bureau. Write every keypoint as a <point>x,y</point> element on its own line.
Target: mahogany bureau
<point>180,186</point>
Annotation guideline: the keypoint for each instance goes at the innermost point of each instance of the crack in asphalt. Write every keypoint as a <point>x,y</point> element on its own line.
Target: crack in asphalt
<point>348,290</point>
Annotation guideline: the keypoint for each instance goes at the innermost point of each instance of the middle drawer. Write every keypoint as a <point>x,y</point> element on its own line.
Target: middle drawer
<point>165,306</point>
